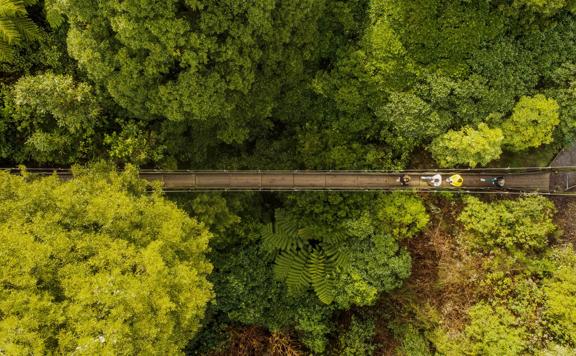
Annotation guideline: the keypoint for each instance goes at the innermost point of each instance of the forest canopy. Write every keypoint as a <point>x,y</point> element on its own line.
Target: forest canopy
<point>107,263</point>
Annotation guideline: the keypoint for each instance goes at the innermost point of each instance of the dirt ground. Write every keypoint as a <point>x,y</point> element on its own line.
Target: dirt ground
<point>444,278</point>
<point>565,218</point>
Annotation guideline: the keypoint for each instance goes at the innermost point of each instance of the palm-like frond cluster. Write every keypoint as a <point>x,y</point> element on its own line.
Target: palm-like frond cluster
<point>304,257</point>
<point>15,26</point>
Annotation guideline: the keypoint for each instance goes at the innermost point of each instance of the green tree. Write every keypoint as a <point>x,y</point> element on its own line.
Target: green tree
<point>532,123</point>
<point>134,144</point>
<point>56,116</point>
<point>15,26</point>
<point>412,117</point>
<point>97,265</point>
<point>220,65</point>
<point>468,146</point>
<point>377,264</point>
<point>400,215</point>
<point>522,224</point>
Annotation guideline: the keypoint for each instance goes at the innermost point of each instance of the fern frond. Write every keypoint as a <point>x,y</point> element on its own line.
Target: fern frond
<point>332,237</point>
<point>308,233</point>
<point>336,257</point>
<point>269,242</point>
<point>6,52</point>
<point>291,267</point>
<point>9,31</point>
<point>277,240</point>
<point>282,235</point>
<point>54,17</point>
<point>319,277</point>
<point>286,223</point>
<point>27,28</point>
<point>12,8</point>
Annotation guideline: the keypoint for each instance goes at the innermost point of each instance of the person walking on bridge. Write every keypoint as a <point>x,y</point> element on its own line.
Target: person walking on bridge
<point>435,180</point>
<point>455,180</point>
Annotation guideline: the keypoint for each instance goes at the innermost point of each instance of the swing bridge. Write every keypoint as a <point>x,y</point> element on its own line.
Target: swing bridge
<point>553,180</point>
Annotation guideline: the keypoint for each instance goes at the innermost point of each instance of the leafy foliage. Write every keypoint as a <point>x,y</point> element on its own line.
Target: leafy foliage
<point>358,339</point>
<point>412,342</point>
<point>378,264</point>
<point>15,26</point>
<point>220,64</point>
<point>492,330</point>
<point>531,123</point>
<point>523,224</point>
<point>400,215</point>
<point>98,265</point>
<point>561,306</point>
<point>468,146</point>
<point>57,116</point>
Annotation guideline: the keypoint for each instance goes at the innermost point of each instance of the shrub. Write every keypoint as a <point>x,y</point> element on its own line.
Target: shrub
<point>493,331</point>
<point>358,339</point>
<point>560,292</point>
<point>522,224</point>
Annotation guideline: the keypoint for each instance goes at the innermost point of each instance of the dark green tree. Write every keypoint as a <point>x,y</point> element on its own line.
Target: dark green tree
<point>219,65</point>
<point>56,117</point>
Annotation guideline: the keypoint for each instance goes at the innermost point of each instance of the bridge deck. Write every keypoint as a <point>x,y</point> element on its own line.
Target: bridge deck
<point>517,179</point>
<point>309,180</point>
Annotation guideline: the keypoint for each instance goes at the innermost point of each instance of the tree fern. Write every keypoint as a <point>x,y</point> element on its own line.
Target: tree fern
<point>282,235</point>
<point>334,237</point>
<point>292,267</point>
<point>319,277</point>
<point>15,26</point>
<point>336,257</point>
<point>307,257</point>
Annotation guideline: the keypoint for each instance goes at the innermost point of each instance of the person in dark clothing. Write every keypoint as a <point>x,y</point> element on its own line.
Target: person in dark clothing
<point>404,180</point>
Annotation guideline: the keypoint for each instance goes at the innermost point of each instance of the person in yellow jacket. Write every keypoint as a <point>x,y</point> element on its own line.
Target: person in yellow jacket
<point>455,180</point>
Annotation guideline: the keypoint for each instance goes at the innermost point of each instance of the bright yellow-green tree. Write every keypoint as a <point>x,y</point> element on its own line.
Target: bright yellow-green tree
<point>97,265</point>
<point>532,123</point>
<point>468,146</point>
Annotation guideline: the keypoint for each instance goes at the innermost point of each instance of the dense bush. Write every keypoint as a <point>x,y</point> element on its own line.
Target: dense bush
<point>560,289</point>
<point>493,330</point>
<point>57,116</point>
<point>412,342</point>
<point>522,224</point>
<point>359,338</point>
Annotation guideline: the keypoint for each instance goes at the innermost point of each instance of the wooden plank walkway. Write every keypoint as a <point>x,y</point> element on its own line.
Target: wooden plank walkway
<point>310,180</point>
<point>528,180</point>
